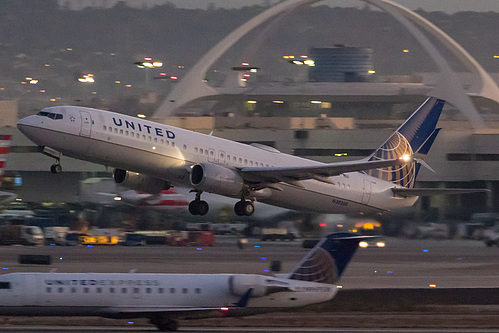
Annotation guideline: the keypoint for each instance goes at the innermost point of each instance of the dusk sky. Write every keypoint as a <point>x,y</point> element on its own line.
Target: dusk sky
<point>449,6</point>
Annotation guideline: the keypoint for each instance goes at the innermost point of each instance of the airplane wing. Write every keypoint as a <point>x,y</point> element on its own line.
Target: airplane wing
<point>317,172</point>
<point>422,192</point>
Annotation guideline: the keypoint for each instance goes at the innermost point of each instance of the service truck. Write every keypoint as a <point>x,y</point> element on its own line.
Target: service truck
<point>21,234</point>
<point>55,235</point>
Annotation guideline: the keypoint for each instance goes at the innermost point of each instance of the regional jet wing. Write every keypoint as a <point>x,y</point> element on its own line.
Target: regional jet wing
<point>317,172</point>
<point>424,192</point>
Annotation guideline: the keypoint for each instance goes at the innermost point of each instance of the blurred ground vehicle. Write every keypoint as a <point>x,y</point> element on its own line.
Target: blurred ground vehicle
<point>20,234</point>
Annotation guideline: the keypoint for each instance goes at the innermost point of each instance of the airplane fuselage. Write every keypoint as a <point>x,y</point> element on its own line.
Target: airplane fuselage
<point>118,295</point>
<point>168,153</point>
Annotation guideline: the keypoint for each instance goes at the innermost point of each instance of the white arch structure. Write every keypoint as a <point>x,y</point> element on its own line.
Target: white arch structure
<point>193,86</point>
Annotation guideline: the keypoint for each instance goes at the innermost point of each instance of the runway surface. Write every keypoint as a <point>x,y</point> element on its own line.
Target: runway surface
<point>53,329</point>
<point>401,264</point>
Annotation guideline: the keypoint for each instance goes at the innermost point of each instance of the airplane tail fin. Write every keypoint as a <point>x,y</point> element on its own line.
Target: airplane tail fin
<point>4,150</point>
<point>415,136</point>
<point>328,259</point>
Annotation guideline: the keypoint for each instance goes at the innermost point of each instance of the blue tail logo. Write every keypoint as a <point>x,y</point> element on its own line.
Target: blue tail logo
<point>416,135</point>
<point>328,259</point>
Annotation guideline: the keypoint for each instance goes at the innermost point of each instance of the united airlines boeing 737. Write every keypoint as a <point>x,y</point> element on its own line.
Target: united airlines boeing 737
<point>164,298</point>
<point>151,157</point>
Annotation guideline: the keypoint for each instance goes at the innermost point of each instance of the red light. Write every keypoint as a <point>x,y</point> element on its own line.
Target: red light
<point>304,56</point>
<point>224,308</point>
<point>245,64</point>
<point>162,74</point>
<point>29,78</point>
<point>148,59</point>
<point>322,224</point>
<point>246,75</point>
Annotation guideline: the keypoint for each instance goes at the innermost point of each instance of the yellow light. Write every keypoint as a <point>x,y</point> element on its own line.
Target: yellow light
<point>309,63</point>
<point>405,158</point>
<point>339,287</point>
<point>253,70</point>
<point>141,115</point>
<point>47,65</point>
<point>147,64</point>
<point>432,285</point>
<point>380,244</point>
<point>69,49</point>
<point>496,57</point>
<point>406,51</point>
<point>339,225</point>
<point>128,86</point>
<point>117,198</point>
<point>298,62</point>
<point>18,199</point>
<point>117,82</point>
<point>363,244</point>
<point>157,64</point>
<point>251,102</point>
<point>316,102</point>
<point>94,92</point>
<point>153,148</point>
<point>371,72</point>
<point>278,102</point>
<point>52,99</point>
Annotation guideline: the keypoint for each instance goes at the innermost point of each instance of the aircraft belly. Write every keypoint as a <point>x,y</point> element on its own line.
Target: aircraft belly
<point>297,198</point>
<point>52,311</point>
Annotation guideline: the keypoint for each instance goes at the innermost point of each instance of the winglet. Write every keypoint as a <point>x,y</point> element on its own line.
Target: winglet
<point>244,299</point>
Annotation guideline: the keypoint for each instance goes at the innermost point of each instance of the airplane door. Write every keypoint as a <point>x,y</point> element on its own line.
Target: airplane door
<point>366,194</point>
<point>86,123</point>
<point>31,290</point>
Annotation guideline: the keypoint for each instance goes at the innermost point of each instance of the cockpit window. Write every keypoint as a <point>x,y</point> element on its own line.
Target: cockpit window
<point>4,285</point>
<point>51,115</point>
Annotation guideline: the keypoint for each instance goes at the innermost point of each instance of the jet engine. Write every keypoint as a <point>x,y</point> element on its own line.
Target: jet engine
<point>218,179</point>
<point>239,285</point>
<point>138,182</point>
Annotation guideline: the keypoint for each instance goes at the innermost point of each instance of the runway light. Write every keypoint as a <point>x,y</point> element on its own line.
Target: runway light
<point>224,308</point>
<point>315,102</point>
<point>426,251</point>
<point>363,244</point>
<point>432,286</point>
<point>380,244</point>
<point>117,198</point>
<point>339,287</point>
<point>389,272</point>
<point>199,249</point>
<point>5,268</point>
<point>251,102</point>
<point>245,64</point>
<point>406,51</point>
<point>257,245</point>
<point>60,258</point>
<point>263,258</point>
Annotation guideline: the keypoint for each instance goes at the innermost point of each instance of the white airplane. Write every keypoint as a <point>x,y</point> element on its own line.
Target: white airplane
<point>151,157</point>
<point>5,197</point>
<point>164,298</point>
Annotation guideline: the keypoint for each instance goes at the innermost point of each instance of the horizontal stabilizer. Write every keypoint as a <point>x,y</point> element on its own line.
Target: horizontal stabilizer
<point>425,192</point>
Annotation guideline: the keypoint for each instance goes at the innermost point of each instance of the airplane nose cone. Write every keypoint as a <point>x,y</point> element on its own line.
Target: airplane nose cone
<point>28,125</point>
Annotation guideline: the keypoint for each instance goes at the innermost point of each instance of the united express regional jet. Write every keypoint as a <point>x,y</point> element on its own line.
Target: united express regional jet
<point>152,157</point>
<point>165,298</point>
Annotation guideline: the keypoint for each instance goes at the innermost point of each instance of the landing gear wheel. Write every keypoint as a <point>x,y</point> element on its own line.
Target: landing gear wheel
<point>239,209</point>
<point>248,208</point>
<point>168,326</point>
<point>56,168</point>
<point>199,207</point>
<point>244,208</point>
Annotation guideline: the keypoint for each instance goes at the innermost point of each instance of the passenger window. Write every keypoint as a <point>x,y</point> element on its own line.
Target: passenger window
<point>196,150</point>
<point>251,163</point>
<point>136,290</point>
<point>161,290</point>
<point>167,143</point>
<point>240,160</point>
<point>123,290</point>
<point>185,290</point>
<point>115,130</point>
<point>111,290</point>
<point>198,290</point>
<point>162,141</point>
<point>73,290</point>
<point>172,290</point>
<point>185,147</point>
<point>48,290</point>
<point>85,290</point>
<point>105,128</point>
<point>148,290</point>
<point>110,129</point>
<point>99,290</point>
<point>138,136</point>
<point>156,140</point>
<point>150,139</point>
<point>173,144</point>
<point>121,131</point>
<point>60,290</point>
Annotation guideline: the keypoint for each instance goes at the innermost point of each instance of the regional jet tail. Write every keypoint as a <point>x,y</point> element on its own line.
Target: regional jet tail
<point>5,197</point>
<point>165,298</point>
<point>151,157</point>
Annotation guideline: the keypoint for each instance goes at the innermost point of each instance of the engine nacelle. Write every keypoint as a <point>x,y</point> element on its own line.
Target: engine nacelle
<point>239,285</point>
<point>216,178</point>
<point>143,183</point>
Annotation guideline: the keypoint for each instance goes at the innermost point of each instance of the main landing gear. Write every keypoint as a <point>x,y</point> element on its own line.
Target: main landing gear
<point>198,206</point>
<point>244,208</point>
<point>164,324</point>
<point>56,168</point>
